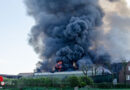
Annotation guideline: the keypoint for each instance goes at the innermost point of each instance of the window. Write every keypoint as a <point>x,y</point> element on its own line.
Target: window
<point>129,68</point>
<point>127,77</point>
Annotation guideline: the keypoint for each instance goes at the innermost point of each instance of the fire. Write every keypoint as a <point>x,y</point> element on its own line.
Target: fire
<point>75,65</point>
<point>59,66</point>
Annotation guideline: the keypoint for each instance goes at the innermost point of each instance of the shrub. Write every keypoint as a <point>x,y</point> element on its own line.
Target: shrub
<point>48,82</point>
<point>86,80</point>
<point>102,78</point>
<point>56,82</point>
<point>73,81</point>
<point>82,84</point>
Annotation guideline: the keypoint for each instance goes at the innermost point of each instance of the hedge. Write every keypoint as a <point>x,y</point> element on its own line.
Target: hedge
<point>71,81</point>
<point>110,85</point>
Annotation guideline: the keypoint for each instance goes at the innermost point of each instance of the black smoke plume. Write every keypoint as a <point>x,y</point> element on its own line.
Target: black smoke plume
<point>65,30</point>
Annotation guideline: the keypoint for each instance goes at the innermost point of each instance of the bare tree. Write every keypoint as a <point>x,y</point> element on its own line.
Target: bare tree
<point>85,70</point>
<point>96,69</point>
<point>92,68</point>
<point>103,71</point>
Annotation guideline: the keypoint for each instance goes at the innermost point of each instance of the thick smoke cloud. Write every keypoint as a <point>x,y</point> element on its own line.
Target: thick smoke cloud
<point>113,0</point>
<point>65,30</point>
<point>115,33</point>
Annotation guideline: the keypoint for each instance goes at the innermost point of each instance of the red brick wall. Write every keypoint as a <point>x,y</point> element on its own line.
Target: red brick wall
<point>122,76</point>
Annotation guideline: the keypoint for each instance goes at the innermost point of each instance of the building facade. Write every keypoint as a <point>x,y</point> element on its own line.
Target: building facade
<point>124,74</point>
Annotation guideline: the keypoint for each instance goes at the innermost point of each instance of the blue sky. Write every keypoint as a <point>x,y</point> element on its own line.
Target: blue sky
<point>15,54</point>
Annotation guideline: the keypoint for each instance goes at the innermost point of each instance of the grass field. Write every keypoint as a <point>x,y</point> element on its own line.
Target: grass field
<point>62,89</point>
<point>100,89</point>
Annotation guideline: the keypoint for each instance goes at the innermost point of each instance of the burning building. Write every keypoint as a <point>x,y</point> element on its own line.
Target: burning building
<point>65,32</point>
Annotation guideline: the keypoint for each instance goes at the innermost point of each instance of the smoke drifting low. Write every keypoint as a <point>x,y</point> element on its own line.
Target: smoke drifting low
<point>67,30</point>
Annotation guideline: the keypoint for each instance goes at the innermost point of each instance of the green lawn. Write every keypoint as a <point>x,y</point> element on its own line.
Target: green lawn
<point>63,89</point>
<point>100,89</point>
